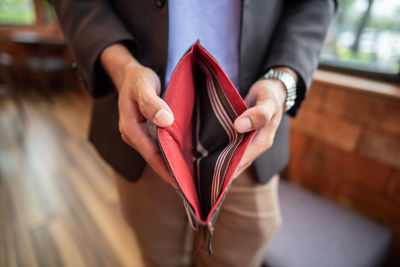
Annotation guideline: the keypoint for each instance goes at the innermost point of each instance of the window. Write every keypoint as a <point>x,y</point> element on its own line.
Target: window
<point>17,12</point>
<point>365,36</point>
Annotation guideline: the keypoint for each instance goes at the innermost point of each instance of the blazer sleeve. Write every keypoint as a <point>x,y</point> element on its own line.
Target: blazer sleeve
<point>89,27</point>
<point>298,40</point>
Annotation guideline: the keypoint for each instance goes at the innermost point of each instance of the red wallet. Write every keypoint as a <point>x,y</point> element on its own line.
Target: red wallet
<point>201,148</point>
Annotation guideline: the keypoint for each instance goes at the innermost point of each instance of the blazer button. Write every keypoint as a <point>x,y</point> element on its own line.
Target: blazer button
<point>160,3</point>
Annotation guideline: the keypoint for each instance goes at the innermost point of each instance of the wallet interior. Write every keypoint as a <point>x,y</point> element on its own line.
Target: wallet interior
<point>202,148</point>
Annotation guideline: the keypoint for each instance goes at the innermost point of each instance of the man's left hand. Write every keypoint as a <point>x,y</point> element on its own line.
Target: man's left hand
<point>266,99</point>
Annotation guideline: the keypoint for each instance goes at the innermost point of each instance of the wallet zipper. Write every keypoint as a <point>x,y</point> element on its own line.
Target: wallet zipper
<point>205,228</point>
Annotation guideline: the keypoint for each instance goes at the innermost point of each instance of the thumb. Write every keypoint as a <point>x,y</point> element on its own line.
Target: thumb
<point>256,117</point>
<point>153,108</point>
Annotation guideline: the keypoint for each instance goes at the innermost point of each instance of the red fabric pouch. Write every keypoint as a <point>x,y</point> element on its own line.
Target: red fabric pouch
<point>201,148</point>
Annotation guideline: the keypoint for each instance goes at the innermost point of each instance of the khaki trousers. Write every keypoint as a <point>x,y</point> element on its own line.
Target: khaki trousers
<point>248,218</point>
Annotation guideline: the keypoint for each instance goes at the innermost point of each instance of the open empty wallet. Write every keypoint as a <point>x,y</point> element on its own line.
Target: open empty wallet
<point>201,148</point>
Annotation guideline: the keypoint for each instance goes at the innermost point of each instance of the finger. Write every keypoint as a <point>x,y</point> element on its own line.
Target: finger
<point>139,138</point>
<point>240,169</point>
<point>151,106</point>
<point>152,155</point>
<point>262,141</point>
<point>256,117</point>
<point>245,162</point>
<point>135,132</point>
<point>158,164</point>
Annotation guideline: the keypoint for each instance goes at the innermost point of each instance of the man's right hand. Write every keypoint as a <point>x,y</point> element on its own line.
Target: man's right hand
<point>139,104</point>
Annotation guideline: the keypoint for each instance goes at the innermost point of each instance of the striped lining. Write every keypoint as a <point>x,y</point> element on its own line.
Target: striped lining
<point>226,115</point>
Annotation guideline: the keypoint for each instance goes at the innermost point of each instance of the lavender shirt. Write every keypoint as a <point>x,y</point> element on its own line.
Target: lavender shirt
<point>216,23</point>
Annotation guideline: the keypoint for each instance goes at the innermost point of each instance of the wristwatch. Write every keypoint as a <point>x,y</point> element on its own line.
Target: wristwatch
<point>290,85</point>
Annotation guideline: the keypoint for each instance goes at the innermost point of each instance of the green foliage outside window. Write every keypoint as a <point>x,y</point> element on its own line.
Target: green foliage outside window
<point>17,12</point>
<point>366,36</point>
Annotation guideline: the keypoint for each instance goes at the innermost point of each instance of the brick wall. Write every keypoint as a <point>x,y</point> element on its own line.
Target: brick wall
<point>346,147</point>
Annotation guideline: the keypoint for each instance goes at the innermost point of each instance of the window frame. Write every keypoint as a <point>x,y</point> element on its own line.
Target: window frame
<point>359,70</point>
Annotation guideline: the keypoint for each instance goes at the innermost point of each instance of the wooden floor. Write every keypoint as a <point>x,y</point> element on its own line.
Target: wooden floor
<point>58,202</point>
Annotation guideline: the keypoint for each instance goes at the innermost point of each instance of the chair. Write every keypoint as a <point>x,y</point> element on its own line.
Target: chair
<point>318,233</point>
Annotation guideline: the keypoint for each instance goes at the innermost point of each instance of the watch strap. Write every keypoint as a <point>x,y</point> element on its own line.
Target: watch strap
<point>288,82</point>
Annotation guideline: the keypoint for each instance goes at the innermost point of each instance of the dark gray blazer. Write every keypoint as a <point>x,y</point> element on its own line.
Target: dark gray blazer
<point>273,33</point>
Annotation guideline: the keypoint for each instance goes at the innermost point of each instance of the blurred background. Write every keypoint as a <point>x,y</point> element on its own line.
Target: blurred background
<point>340,193</point>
